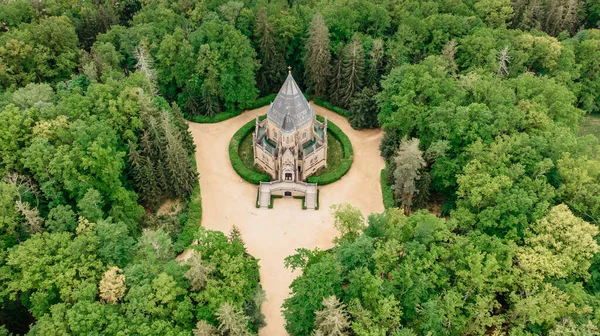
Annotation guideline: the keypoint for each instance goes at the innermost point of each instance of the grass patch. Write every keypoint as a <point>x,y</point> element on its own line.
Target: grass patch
<point>339,155</point>
<point>236,161</point>
<point>348,155</point>
<point>591,125</point>
<point>247,154</point>
<point>335,154</point>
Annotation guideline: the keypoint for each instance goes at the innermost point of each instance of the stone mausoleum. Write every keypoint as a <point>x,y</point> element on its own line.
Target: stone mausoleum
<point>290,144</point>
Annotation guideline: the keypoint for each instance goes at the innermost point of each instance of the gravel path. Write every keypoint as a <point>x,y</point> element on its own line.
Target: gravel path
<point>273,234</point>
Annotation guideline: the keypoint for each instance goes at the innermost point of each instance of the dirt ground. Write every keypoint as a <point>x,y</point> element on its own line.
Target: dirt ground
<point>273,234</point>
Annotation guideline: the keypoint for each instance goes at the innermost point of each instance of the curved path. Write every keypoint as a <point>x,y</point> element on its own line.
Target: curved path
<point>273,234</point>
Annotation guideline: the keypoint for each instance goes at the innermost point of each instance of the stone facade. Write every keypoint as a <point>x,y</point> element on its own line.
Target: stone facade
<point>290,144</point>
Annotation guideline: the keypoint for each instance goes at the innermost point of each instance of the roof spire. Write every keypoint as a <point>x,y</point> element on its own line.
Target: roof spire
<point>289,69</point>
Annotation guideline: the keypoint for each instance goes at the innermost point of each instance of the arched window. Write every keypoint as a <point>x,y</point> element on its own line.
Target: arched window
<point>304,135</point>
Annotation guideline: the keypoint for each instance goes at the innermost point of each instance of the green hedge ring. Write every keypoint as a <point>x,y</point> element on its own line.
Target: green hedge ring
<point>346,163</point>
<point>234,155</point>
<point>255,178</point>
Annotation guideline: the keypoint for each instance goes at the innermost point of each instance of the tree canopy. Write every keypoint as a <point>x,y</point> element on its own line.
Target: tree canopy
<point>479,101</point>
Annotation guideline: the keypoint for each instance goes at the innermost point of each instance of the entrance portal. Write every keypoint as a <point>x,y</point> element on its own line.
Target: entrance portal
<point>288,194</point>
<point>288,176</point>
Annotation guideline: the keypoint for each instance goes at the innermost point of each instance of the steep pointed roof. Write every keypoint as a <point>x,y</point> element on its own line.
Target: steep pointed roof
<point>290,109</point>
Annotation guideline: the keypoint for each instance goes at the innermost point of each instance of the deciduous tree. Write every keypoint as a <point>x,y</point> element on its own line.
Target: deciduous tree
<point>112,285</point>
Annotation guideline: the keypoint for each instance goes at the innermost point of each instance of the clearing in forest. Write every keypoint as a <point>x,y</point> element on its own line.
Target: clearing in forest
<point>273,234</point>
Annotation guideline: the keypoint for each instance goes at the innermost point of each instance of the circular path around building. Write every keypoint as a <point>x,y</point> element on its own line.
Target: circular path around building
<point>273,234</point>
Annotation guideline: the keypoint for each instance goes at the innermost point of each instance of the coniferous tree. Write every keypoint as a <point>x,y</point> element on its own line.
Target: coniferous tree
<point>209,102</point>
<point>204,92</point>
<point>318,55</point>
<point>252,307</point>
<point>204,329</point>
<point>145,64</point>
<point>333,319</point>
<point>199,272</point>
<point>232,322</point>
<point>376,63</point>
<point>363,109</point>
<point>156,146</point>
<point>181,124</point>
<point>182,176</point>
<point>143,173</point>
<point>352,70</point>
<point>272,70</point>
<point>552,16</point>
<point>409,162</point>
<point>235,235</point>
<point>335,74</point>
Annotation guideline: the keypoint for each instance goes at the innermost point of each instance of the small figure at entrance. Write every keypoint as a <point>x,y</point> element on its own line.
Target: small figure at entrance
<point>288,176</point>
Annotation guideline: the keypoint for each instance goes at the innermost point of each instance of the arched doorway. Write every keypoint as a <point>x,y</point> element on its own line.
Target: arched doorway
<point>288,174</point>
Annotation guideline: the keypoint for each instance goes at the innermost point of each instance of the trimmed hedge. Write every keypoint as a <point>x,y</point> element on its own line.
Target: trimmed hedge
<point>386,190</point>
<point>344,166</point>
<point>257,197</point>
<point>303,198</point>
<point>234,155</point>
<point>329,106</point>
<point>255,178</point>
<point>273,198</point>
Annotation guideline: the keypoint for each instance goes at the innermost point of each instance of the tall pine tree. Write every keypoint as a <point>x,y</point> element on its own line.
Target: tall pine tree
<point>376,63</point>
<point>335,77</point>
<point>318,55</point>
<point>181,173</point>
<point>143,172</point>
<point>353,67</point>
<point>272,65</point>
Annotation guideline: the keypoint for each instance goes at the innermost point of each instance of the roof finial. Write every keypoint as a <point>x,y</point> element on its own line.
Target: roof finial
<point>289,69</point>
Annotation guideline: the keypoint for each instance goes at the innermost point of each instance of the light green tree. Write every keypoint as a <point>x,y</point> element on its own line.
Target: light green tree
<point>559,246</point>
<point>348,220</point>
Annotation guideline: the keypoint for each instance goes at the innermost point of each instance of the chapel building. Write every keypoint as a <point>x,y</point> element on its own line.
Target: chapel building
<point>290,144</point>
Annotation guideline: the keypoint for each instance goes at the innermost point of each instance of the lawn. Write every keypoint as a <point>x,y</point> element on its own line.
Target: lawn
<point>247,155</point>
<point>334,155</point>
<point>591,125</point>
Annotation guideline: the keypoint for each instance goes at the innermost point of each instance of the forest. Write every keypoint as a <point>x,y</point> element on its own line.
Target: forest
<point>492,195</point>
